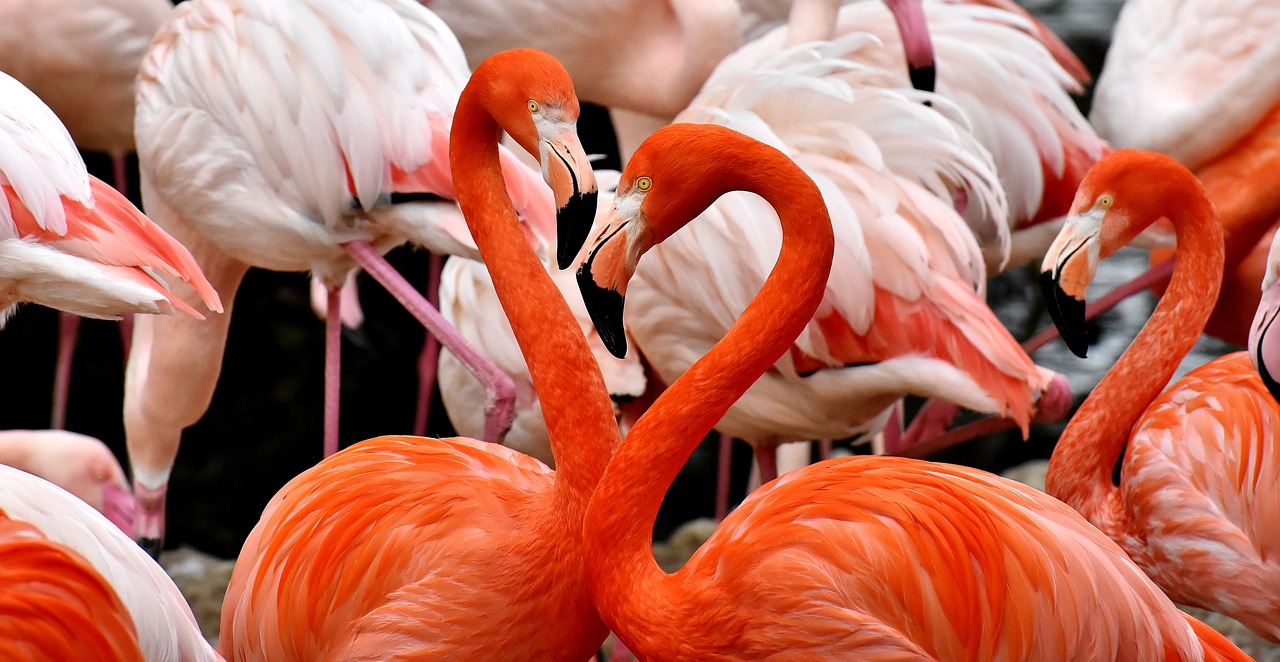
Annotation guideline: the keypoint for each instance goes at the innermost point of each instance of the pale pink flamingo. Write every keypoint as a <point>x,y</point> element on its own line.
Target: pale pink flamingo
<point>905,259</point>
<point>55,605</point>
<point>1198,504</point>
<point>68,240</point>
<point>1207,92</point>
<point>867,558</point>
<point>318,166</point>
<point>451,549</point>
<point>81,57</point>
<point>166,628</point>
<point>469,302</point>
<point>79,464</point>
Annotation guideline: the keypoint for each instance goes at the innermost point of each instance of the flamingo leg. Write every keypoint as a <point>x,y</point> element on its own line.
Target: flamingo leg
<point>68,325</point>
<point>618,652</point>
<point>170,377</point>
<point>500,391</point>
<point>332,369</point>
<point>723,475</point>
<point>824,450</point>
<point>767,462</point>
<point>430,356</point>
<point>932,420</point>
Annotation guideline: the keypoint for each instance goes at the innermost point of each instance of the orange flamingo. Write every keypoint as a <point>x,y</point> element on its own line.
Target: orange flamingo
<point>451,548</point>
<point>55,605</point>
<point>1198,505</point>
<point>860,558</point>
<point>1264,342</point>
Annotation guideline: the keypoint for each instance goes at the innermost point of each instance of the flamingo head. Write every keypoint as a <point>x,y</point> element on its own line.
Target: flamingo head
<point>539,109</point>
<point>673,176</point>
<point>1123,193</point>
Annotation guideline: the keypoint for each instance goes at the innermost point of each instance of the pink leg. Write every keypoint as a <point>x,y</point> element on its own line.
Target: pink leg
<point>767,461</point>
<point>430,351</point>
<point>149,524</point>
<point>332,369</point>
<point>824,450</point>
<point>1139,283</point>
<point>618,652</point>
<point>126,335</point>
<point>500,402</point>
<point>723,475</point>
<point>68,326</point>
<point>933,419</point>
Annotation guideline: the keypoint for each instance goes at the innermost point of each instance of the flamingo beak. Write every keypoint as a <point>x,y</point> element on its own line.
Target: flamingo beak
<point>1065,274</point>
<point>603,283</point>
<point>916,43</point>
<point>567,170</point>
<point>120,507</point>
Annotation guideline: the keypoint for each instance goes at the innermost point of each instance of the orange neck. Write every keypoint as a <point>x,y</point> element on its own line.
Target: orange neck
<point>1080,471</point>
<point>629,588</point>
<point>575,402</point>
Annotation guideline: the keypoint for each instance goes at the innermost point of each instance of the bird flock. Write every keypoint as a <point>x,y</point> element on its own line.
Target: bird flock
<point>813,196</point>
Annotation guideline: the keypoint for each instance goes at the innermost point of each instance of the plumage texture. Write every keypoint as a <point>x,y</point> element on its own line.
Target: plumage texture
<point>1013,93</point>
<point>1197,506</point>
<point>469,303</point>
<point>864,558</point>
<point>903,256</point>
<point>70,241</point>
<point>165,626</point>
<point>81,58</point>
<point>54,606</point>
<point>449,548</point>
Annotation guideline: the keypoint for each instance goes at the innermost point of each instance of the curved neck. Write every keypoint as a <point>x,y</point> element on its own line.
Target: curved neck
<point>1080,471</point>
<point>575,402</point>
<point>630,590</point>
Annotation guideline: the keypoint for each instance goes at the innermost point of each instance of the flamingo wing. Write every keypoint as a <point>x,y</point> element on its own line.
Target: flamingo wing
<point>341,539</point>
<point>964,564</point>
<point>55,605</point>
<point>1200,477</point>
<point>167,629</point>
<point>1187,78</point>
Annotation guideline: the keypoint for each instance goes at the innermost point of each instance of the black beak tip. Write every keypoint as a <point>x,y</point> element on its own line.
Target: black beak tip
<point>924,78</point>
<point>605,307</point>
<point>1067,313</point>
<point>573,225</point>
<point>151,546</point>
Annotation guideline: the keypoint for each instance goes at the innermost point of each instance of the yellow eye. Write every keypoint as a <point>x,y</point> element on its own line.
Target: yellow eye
<point>1105,201</point>
<point>643,184</point>
<point>533,106</point>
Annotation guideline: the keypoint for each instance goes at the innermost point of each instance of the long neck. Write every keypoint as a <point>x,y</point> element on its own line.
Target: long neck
<point>617,533</point>
<point>1080,471</point>
<point>575,402</point>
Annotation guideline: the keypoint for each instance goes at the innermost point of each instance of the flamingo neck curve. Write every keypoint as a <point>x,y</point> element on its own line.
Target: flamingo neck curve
<point>631,592</point>
<point>1081,468</point>
<point>575,403</point>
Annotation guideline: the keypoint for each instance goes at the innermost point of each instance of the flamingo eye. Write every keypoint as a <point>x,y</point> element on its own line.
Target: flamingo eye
<point>644,184</point>
<point>533,106</point>
<point>1106,201</point>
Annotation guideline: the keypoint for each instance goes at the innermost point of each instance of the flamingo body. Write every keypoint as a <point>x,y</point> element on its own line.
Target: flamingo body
<point>166,628</point>
<point>56,606</point>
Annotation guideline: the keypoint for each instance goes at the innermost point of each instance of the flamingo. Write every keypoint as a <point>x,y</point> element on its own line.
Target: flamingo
<point>321,165</point>
<point>452,548</point>
<point>469,302</point>
<point>858,558</point>
<point>56,606</point>
<point>79,464</point>
<point>1264,348</point>
<point>81,57</point>
<point>70,241</point>
<point>166,628</point>
<point>1197,505</point>
<point>905,258</point>
<point>1206,92</point>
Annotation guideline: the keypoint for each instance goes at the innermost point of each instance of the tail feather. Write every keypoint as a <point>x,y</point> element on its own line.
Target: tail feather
<point>1216,646</point>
